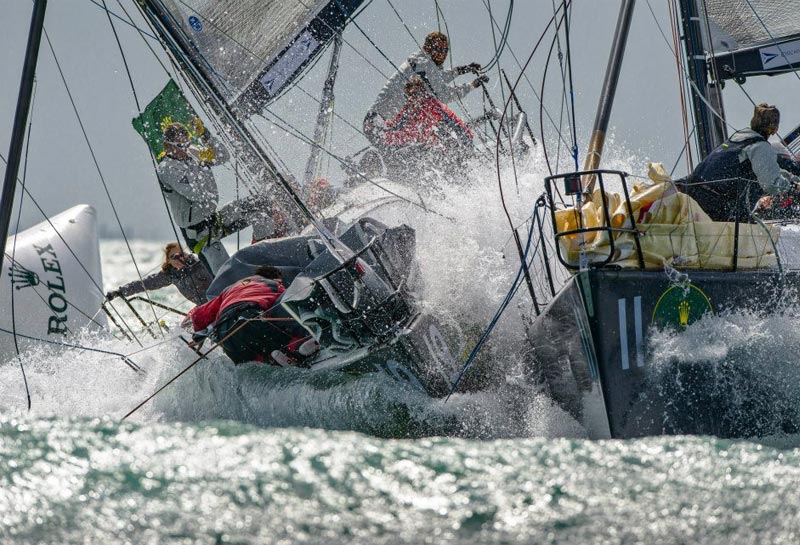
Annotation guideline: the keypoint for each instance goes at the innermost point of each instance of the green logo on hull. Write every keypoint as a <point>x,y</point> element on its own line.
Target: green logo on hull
<point>680,306</point>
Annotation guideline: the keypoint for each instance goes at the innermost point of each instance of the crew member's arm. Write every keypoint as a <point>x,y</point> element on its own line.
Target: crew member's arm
<point>764,160</point>
<point>153,282</point>
<point>204,315</point>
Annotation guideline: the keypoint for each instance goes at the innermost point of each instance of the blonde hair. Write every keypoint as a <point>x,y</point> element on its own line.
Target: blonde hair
<point>168,249</point>
<point>766,119</point>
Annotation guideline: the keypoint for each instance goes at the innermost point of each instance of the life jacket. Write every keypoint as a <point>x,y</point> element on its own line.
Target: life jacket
<point>253,289</point>
<point>427,122</point>
<point>725,187</point>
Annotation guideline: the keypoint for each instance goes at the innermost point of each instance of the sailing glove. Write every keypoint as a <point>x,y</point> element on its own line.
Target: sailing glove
<point>473,67</point>
<point>113,295</point>
<point>480,81</point>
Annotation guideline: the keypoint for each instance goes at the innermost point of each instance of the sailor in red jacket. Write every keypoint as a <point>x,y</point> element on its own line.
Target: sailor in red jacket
<point>427,122</point>
<point>249,321</point>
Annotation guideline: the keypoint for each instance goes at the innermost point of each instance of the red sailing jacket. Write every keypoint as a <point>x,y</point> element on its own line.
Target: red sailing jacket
<point>253,289</point>
<point>425,121</point>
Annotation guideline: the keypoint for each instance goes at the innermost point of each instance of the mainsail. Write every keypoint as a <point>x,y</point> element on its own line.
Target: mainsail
<point>753,37</point>
<point>250,50</point>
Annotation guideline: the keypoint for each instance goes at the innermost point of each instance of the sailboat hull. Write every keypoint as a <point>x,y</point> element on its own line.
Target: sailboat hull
<point>594,347</point>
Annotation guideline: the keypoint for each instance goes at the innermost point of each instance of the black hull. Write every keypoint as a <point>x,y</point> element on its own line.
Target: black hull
<point>591,353</point>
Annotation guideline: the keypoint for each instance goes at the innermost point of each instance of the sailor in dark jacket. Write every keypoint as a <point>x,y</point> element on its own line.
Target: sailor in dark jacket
<point>735,176</point>
<point>180,269</point>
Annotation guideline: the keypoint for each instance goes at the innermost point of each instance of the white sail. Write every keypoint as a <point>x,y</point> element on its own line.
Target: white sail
<point>251,49</point>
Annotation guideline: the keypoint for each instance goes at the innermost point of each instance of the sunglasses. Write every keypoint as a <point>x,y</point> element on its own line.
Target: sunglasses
<point>177,256</point>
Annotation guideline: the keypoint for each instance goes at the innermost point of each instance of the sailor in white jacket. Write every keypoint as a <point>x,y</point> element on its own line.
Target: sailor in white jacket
<point>191,190</point>
<point>427,65</point>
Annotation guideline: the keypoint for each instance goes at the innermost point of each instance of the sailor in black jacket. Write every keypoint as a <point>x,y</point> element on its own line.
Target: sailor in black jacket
<point>182,270</point>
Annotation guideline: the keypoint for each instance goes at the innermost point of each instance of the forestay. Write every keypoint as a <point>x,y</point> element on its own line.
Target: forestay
<point>250,50</point>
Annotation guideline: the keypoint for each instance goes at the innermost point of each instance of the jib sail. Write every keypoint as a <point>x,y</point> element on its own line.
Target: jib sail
<point>753,37</point>
<point>251,50</point>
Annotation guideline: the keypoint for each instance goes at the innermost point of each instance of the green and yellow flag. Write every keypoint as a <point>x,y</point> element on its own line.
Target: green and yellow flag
<point>169,106</point>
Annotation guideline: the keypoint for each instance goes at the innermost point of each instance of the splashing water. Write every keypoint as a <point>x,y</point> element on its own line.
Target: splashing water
<point>226,454</point>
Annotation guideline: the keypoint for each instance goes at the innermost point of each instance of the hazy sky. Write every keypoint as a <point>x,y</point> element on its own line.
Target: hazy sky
<point>61,172</point>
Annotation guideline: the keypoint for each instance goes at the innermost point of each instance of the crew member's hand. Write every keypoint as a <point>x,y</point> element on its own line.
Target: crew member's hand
<point>764,202</point>
<point>480,81</point>
<point>473,67</point>
<point>112,295</point>
<point>198,127</point>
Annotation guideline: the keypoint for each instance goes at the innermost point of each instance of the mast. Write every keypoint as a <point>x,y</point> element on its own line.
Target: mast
<point>710,129</point>
<point>324,108</point>
<point>20,118</point>
<point>603,115</point>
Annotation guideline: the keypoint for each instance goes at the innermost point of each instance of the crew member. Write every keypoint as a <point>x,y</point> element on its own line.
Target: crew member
<point>735,176</point>
<point>425,125</point>
<point>180,269</point>
<point>250,323</point>
<point>427,65</point>
<point>191,190</point>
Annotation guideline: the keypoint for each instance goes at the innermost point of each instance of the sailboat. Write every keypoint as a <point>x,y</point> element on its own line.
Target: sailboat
<point>350,278</point>
<point>638,259</point>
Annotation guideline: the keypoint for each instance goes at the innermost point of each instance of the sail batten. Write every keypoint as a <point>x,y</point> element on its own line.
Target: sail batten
<point>250,50</point>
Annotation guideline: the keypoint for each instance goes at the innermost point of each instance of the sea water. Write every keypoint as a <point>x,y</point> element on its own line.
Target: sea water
<point>256,454</point>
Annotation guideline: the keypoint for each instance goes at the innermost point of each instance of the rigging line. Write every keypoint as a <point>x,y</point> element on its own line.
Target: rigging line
<point>403,22</point>
<point>567,17</point>
<point>683,150</point>
<point>544,81</point>
<point>91,152</point>
<point>16,232</point>
<point>143,35</point>
<point>494,41</point>
<point>503,305</point>
<point>63,240</point>
<point>125,358</point>
<point>503,37</point>
<point>528,81</point>
<point>199,359</point>
<point>129,23</point>
<point>771,37</point>
<point>563,94</point>
<point>138,108</point>
<point>673,16</point>
<point>460,102</point>
<point>512,90</point>
<point>281,123</point>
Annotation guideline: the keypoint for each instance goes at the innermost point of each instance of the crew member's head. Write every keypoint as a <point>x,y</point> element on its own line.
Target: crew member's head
<point>174,257</point>
<point>269,272</point>
<point>436,47</point>
<point>414,88</point>
<point>176,137</point>
<point>766,119</point>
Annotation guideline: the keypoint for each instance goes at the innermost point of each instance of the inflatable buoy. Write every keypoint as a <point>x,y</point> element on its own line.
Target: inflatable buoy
<point>54,278</point>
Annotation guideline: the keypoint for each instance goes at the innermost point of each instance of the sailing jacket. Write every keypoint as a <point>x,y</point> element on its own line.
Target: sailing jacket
<point>253,289</point>
<point>392,97</point>
<point>429,123</point>
<point>189,186</point>
<point>192,281</point>
<point>728,183</point>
